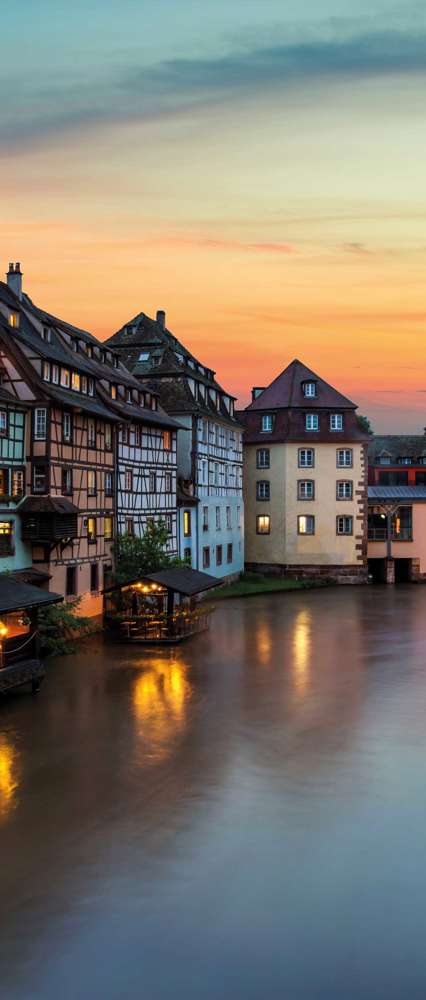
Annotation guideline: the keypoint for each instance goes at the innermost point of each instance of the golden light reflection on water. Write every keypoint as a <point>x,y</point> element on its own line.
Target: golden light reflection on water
<point>263,644</point>
<point>302,651</point>
<point>160,699</point>
<point>8,776</point>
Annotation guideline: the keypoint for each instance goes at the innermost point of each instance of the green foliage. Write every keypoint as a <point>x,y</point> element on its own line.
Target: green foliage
<point>364,424</point>
<point>135,557</point>
<point>59,627</point>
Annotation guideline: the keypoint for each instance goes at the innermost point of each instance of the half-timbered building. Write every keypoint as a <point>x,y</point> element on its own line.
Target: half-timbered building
<point>15,552</point>
<point>209,457</point>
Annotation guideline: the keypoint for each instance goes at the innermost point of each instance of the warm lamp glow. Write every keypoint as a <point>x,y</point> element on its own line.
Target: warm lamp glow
<point>3,630</point>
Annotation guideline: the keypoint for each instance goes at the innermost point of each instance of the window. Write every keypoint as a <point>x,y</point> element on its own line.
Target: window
<point>71,581</point>
<point>344,458</point>
<point>91,482</point>
<point>138,435</point>
<point>187,523</point>
<point>238,517</point>
<point>94,577</point>
<point>108,437</point>
<point>344,489</point>
<point>125,434</point>
<point>263,489</point>
<point>128,480</point>
<point>91,433</point>
<point>144,356</point>
<point>108,531</point>
<point>204,430</point>
<point>405,460</point>
<point>18,482</point>
<point>4,482</point>
<point>263,524</point>
<point>152,484</point>
<point>167,440</point>
<point>228,518</point>
<point>3,423</point>
<point>309,389</point>
<point>40,479</point>
<point>168,482</point>
<point>306,524</point>
<point>6,538</point>
<point>91,387</point>
<point>66,478</point>
<point>84,384</point>
<point>89,351</point>
<point>65,378</point>
<point>263,458</point>
<point>267,423</point>
<point>205,518</point>
<point>129,526</point>
<point>336,421</point>
<point>91,529</point>
<point>344,525</point>
<point>384,459</point>
<point>66,427</point>
<point>109,484</point>
<point>40,421</point>
<point>13,320</point>
<point>218,525</point>
<point>229,552</point>
<point>218,555</point>
<point>311,422</point>
<point>187,555</point>
<point>169,523</point>
<point>46,371</point>
<point>113,391</point>
<point>306,489</point>
<point>206,557</point>
<point>55,374</point>
<point>306,458</point>
<point>75,381</point>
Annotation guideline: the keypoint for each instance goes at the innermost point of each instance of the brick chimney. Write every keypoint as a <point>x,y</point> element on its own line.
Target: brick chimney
<point>256,391</point>
<point>161,318</point>
<point>14,279</point>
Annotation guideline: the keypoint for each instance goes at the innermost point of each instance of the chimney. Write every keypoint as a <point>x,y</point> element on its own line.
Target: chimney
<point>161,318</point>
<point>14,279</point>
<point>256,391</point>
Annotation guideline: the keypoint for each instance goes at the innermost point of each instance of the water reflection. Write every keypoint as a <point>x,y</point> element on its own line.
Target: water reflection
<point>264,643</point>
<point>301,650</point>
<point>160,700</point>
<point>8,776</point>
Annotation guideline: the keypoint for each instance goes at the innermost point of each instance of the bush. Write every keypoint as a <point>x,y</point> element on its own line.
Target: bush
<point>59,626</point>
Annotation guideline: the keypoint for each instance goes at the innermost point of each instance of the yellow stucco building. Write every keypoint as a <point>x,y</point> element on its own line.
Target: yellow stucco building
<point>305,480</point>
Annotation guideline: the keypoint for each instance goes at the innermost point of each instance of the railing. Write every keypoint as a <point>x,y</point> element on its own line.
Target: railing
<point>162,627</point>
<point>380,535</point>
<point>19,648</point>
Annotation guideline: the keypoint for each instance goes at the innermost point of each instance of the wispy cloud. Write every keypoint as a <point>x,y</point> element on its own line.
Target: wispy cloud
<point>173,87</point>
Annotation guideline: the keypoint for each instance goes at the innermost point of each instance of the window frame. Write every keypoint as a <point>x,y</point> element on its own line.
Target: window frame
<point>344,482</point>
<point>345,517</point>
<point>345,465</point>
<point>4,424</point>
<point>308,518</point>
<point>263,524</point>
<point>267,423</point>
<point>36,434</point>
<point>305,482</point>
<point>266,485</point>
<point>305,465</point>
<point>333,417</point>
<point>312,418</point>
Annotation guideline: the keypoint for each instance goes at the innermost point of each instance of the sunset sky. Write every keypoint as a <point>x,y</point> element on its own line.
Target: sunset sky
<point>254,167</point>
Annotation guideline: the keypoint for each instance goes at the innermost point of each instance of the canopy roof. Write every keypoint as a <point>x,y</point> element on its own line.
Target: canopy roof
<point>182,579</point>
<point>396,493</point>
<point>15,595</point>
<point>47,504</point>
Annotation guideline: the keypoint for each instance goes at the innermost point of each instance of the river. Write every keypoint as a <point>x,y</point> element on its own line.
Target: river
<point>242,817</point>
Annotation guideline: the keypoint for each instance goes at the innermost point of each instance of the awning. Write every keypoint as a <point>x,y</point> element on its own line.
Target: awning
<point>17,596</point>
<point>182,579</point>
<point>46,505</point>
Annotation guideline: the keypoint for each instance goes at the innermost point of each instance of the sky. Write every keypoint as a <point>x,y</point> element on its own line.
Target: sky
<point>253,167</point>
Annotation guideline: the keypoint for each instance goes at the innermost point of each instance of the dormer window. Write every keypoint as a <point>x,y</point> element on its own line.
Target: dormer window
<point>75,381</point>
<point>385,459</point>
<point>309,389</point>
<point>144,356</point>
<point>336,421</point>
<point>129,395</point>
<point>46,334</point>
<point>113,391</point>
<point>311,422</point>
<point>267,423</point>
<point>14,320</point>
<point>65,378</point>
<point>46,371</point>
<point>405,460</point>
<point>91,386</point>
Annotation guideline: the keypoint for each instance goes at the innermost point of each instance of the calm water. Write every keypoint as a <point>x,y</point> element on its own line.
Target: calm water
<point>242,818</point>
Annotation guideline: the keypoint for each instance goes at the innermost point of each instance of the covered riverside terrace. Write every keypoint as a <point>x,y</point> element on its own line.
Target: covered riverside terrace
<point>159,607</point>
<point>19,639</point>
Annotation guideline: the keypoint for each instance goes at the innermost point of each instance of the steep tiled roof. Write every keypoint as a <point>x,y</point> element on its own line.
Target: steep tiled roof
<point>47,504</point>
<point>397,446</point>
<point>286,391</point>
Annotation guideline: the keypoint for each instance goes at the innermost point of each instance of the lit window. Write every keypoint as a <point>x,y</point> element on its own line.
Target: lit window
<point>311,421</point>
<point>128,480</point>
<point>40,421</point>
<point>91,482</point>
<point>55,374</point>
<point>305,489</point>
<point>167,440</point>
<point>3,423</point>
<point>91,529</point>
<point>4,482</point>
<point>46,371</point>
<point>108,528</point>
<point>306,524</point>
<point>65,378</point>
<point>263,524</point>
<point>309,389</point>
<point>263,489</point>
<point>263,458</point>
<point>6,538</point>
<point>344,525</point>
<point>75,381</point>
<point>113,391</point>
<point>306,458</point>
<point>13,320</point>
<point>267,422</point>
<point>344,490</point>
<point>187,523</point>
<point>336,421</point>
<point>17,482</point>
<point>144,356</point>
<point>344,458</point>
<point>66,427</point>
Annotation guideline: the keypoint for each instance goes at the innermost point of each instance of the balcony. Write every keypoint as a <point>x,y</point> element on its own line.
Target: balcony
<point>381,535</point>
<point>48,519</point>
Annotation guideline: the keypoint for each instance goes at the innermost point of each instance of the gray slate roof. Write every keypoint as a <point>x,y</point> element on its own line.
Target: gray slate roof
<point>397,492</point>
<point>15,595</point>
<point>396,446</point>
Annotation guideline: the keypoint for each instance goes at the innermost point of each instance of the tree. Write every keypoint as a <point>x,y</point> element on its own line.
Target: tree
<point>364,424</point>
<point>59,625</point>
<point>135,557</point>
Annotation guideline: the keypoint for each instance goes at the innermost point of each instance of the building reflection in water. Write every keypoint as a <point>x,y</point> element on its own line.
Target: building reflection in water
<point>301,651</point>
<point>8,776</point>
<point>161,696</point>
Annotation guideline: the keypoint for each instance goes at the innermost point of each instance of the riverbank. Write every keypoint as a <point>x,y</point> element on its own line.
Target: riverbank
<point>251,584</point>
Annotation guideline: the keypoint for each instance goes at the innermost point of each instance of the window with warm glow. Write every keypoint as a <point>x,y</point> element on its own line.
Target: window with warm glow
<point>18,482</point>
<point>75,381</point>
<point>113,391</point>
<point>13,320</point>
<point>65,378</point>
<point>91,482</point>
<point>108,528</point>
<point>306,524</point>
<point>187,523</point>
<point>6,538</point>
<point>263,524</point>
<point>91,529</point>
<point>167,440</point>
